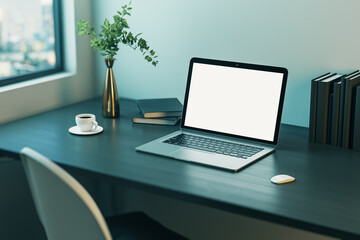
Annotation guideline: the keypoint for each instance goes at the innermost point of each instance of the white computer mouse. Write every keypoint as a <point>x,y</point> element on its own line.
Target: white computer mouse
<point>282,178</point>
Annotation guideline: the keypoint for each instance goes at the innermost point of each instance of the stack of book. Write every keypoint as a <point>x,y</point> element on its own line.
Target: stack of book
<point>335,110</point>
<point>164,111</point>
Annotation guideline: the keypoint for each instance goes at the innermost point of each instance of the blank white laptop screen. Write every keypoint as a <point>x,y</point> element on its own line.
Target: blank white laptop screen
<point>235,101</point>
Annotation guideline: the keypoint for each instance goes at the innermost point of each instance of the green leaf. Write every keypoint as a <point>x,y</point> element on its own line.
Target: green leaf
<point>148,58</point>
<point>83,22</point>
<point>117,18</point>
<point>125,23</point>
<point>106,23</point>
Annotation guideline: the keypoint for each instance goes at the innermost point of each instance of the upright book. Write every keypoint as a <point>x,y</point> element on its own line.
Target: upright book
<point>341,105</point>
<point>325,88</point>
<point>356,139</point>
<point>335,113</point>
<point>160,107</point>
<point>313,104</point>
<point>350,86</point>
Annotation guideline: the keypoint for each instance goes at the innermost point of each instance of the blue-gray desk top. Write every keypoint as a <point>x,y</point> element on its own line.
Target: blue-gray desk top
<point>325,198</point>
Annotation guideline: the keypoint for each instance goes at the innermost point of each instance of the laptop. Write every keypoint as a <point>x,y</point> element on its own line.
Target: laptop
<point>231,115</point>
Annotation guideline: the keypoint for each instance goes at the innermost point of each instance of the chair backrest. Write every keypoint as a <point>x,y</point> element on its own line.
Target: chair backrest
<point>65,208</point>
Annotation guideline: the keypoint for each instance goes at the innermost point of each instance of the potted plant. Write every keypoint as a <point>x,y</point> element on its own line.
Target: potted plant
<point>107,42</point>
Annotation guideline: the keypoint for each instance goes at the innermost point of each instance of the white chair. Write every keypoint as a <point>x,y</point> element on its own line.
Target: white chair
<point>67,211</point>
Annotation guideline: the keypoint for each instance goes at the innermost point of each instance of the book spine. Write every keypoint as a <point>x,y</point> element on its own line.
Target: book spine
<point>346,117</point>
<point>329,119</point>
<point>322,111</point>
<point>154,121</point>
<point>313,104</point>
<point>162,114</point>
<point>341,111</point>
<point>352,118</point>
<point>356,139</point>
<point>335,114</point>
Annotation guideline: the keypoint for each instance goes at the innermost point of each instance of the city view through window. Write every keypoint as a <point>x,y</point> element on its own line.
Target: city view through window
<point>27,37</point>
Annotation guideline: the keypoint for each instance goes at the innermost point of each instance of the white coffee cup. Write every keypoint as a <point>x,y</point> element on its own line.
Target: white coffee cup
<point>86,122</point>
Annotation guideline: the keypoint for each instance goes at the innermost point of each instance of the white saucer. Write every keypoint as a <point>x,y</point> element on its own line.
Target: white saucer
<point>76,130</point>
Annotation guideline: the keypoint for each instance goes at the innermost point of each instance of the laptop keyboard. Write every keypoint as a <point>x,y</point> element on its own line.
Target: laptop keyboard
<point>213,145</point>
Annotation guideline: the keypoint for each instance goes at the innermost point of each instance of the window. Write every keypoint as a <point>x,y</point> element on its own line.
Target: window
<point>29,39</point>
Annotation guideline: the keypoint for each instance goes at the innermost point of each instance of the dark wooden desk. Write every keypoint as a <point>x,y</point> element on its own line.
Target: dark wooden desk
<point>325,198</point>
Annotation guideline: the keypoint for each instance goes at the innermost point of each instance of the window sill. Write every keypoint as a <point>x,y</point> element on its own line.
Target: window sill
<point>35,81</point>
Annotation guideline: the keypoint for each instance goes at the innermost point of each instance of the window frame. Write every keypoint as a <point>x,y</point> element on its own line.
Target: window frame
<point>59,67</point>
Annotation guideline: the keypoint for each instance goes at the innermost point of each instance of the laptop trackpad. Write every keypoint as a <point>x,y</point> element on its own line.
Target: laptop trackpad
<point>216,160</point>
<point>193,156</point>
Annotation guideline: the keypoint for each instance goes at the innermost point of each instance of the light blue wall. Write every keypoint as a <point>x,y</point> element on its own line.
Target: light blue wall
<point>308,37</point>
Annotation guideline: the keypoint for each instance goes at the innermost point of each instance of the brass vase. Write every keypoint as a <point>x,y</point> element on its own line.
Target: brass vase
<point>110,105</point>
